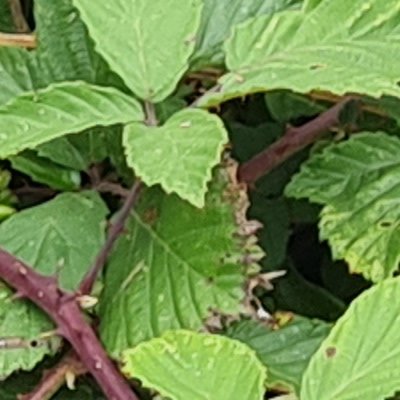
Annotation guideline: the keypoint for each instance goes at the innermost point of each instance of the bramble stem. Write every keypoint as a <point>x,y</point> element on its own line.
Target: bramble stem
<point>64,310</point>
<point>295,139</point>
<point>116,228</point>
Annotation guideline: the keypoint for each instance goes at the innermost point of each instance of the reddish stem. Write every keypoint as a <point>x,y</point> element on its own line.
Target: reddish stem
<point>64,310</point>
<point>293,141</point>
<point>116,228</point>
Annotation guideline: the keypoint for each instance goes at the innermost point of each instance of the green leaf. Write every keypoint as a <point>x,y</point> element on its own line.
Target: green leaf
<point>274,236</point>
<point>22,320</point>
<point>350,51</point>
<point>218,19</point>
<point>286,351</point>
<point>61,236</point>
<point>44,171</point>
<point>71,107</point>
<point>294,293</point>
<point>58,57</point>
<point>65,50</point>
<point>151,41</point>
<point>178,155</point>
<point>174,265</point>
<point>81,151</point>
<point>361,198</point>
<point>285,106</point>
<point>14,83</point>
<point>208,367</point>
<point>360,357</point>
<point>6,22</point>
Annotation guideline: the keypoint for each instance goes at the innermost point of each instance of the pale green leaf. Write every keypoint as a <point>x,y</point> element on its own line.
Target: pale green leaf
<point>20,319</point>
<point>178,155</point>
<point>360,358</point>
<point>332,45</point>
<point>44,171</point>
<point>61,236</point>
<point>218,19</point>
<point>174,265</point>
<point>148,43</point>
<point>71,107</point>
<point>286,351</point>
<point>361,192</point>
<point>187,365</point>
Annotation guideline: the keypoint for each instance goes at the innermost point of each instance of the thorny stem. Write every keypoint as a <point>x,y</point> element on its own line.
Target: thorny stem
<point>56,377</point>
<point>293,141</point>
<point>17,40</point>
<point>116,228</point>
<point>64,310</point>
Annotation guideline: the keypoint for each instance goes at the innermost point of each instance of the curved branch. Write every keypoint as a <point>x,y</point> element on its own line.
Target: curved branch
<point>293,141</point>
<point>64,310</point>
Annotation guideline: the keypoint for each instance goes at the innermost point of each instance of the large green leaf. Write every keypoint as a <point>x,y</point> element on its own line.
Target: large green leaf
<point>156,39</point>
<point>361,192</point>
<point>180,154</point>
<point>360,357</point>
<point>333,45</point>
<point>71,107</point>
<point>61,236</point>
<point>218,19</point>
<point>286,351</point>
<point>175,264</point>
<point>20,319</point>
<point>186,365</point>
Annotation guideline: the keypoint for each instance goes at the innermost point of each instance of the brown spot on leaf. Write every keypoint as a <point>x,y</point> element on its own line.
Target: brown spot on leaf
<point>330,352</point>
<point>150,216</point>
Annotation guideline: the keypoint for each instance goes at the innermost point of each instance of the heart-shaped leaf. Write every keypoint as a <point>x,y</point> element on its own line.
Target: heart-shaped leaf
<point>178,155</point>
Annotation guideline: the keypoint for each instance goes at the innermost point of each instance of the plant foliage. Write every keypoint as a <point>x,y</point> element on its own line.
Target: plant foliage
<point>211,188</point>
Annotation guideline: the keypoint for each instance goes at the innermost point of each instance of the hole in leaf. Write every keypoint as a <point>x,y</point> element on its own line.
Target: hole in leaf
<point>385,224</point>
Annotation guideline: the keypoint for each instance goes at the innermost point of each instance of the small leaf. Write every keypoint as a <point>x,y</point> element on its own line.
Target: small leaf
<point>61,236</point>
<point>80,151</point>
<point>208,367</point>
<point>351,51</point>
<point>175,265</point>
<point>360,357</point>
<point>361,197</point>
<point>44,171</point>
<point>150,41</point>
<point>71,107</point>
<point>179,155</point>
<point>285,351</point>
